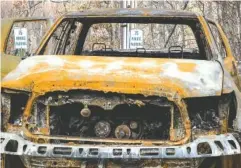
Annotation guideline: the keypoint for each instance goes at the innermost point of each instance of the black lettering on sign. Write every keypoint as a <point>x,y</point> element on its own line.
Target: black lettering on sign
<point>20,38</point>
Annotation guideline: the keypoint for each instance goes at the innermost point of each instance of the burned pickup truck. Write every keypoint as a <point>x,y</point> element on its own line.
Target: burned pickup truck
<point>166,96</point>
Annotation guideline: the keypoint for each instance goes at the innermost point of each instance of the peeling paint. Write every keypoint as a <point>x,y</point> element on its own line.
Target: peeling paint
<point>204,78</point>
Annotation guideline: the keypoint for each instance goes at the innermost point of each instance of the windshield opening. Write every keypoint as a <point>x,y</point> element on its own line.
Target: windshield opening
<point>128,38</point>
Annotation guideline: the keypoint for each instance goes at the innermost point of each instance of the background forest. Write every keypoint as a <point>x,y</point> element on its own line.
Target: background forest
<point>227,13</point>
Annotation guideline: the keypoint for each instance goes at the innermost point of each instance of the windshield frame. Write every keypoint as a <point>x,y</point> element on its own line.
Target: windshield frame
<point>88,21</point>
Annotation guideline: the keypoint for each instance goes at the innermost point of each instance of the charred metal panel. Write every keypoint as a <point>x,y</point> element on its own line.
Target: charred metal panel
<point>188,78</point>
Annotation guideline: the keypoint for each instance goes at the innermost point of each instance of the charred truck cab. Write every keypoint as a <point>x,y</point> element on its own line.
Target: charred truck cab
<point>83,101</point>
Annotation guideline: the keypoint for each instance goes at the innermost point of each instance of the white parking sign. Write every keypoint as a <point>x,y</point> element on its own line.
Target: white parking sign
<point>136,39</point>
<point>20,38</point>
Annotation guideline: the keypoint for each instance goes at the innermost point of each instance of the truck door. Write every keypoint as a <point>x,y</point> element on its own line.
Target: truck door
<point>230,63</point>
<point>19,39</point>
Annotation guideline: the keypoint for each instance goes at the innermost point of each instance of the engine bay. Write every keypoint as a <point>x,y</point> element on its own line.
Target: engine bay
<point>123,122</point>
<point>98,115</point>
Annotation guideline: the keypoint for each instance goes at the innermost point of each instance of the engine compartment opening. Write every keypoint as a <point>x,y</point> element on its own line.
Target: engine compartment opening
<point>94,117</point>
<point>97,117</point>
<point>123,122</point>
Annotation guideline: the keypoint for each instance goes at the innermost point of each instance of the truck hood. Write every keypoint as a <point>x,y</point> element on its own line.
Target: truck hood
<point>147,76</point>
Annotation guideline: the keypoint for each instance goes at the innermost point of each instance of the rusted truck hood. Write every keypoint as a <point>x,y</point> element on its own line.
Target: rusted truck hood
<point>147,76</point>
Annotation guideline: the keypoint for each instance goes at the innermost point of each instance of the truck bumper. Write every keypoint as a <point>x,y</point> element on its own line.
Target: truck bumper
<point>218,145</point>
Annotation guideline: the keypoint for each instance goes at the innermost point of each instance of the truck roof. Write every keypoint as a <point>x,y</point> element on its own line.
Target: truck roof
<point>132,12</point>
